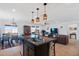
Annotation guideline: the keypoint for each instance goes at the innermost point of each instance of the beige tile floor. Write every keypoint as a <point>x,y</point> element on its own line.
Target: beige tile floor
<point>72,49</point>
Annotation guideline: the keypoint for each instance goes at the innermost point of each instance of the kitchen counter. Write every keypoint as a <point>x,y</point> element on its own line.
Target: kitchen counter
<point>40,47</point>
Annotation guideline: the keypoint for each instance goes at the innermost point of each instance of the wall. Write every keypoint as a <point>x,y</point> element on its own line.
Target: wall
<point>58,15</point>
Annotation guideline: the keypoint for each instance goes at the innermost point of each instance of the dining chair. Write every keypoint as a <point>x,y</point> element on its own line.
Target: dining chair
<point>5,38</point>
<point>14,38</point>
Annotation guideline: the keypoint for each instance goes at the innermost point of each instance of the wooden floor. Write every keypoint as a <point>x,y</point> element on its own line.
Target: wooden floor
<point>14,51</point>
<point>72,49</point>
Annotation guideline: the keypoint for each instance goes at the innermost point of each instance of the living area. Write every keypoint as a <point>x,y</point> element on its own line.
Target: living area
<point>42,29</point>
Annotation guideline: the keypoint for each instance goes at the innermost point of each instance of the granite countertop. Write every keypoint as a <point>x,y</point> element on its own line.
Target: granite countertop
<point>39,42</point>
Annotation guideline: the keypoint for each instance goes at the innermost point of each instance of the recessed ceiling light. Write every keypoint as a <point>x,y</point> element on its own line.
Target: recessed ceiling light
<point>13,10</point>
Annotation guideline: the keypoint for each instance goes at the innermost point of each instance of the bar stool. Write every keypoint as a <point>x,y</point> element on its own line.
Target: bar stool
<point>52,48</point>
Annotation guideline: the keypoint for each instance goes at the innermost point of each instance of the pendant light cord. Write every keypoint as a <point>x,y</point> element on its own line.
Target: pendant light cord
<point>37,11</point>
<point>32,14</point>
<point>45,8</point>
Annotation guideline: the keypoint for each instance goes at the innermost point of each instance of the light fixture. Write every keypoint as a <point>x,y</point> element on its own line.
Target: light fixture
<point>13,10</point>
<point>13,22</point>
<point>32,17</point>
<point>37,19</point>
<point>45,15</point>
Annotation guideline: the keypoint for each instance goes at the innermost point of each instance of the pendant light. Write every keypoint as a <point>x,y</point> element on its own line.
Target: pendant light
<point>13,22</point>
<point>37,19</point>
<point>13,19</point>
<point>45,15</point>
<point>32,17</point>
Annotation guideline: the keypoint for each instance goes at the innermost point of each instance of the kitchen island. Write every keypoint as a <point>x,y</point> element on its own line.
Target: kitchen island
<point>43,47</point>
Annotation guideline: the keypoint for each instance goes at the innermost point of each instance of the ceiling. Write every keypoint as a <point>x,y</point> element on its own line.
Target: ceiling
<point>57,12</point>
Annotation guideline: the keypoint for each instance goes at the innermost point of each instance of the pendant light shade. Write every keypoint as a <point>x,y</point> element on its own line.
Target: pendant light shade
<point>37,18</point>
<point>45,15</point>
<point>32,20</point>
<point>32,17</point>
